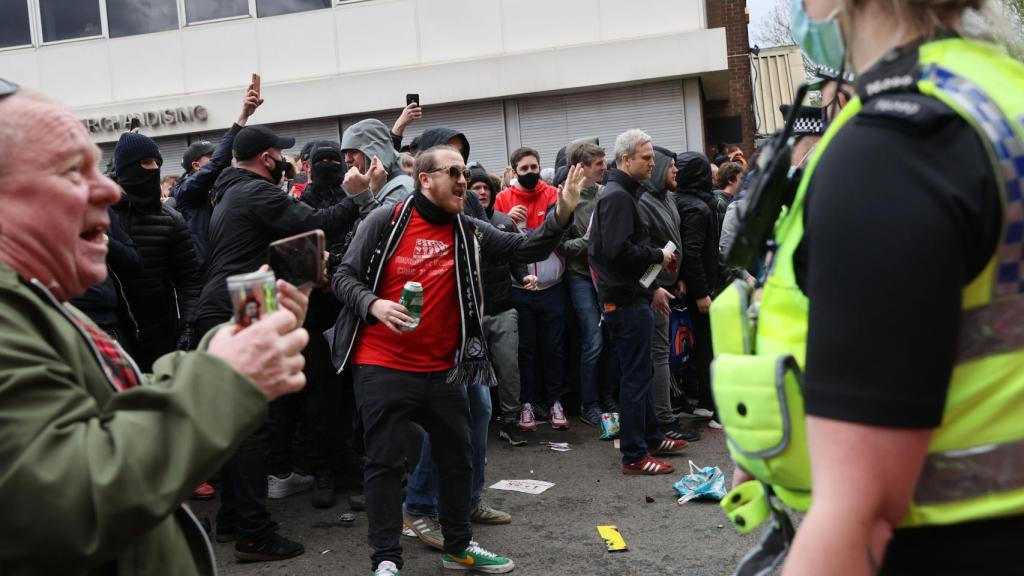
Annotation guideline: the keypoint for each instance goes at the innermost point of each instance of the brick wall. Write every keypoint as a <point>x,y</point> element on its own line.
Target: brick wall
<point>730,14</point>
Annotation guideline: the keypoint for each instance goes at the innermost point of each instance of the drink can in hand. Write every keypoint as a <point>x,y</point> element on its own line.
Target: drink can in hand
<point>252,296</point>
<point>412,299</point>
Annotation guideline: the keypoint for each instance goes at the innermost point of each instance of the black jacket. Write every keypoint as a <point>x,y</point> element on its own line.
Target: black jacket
<point>700,228</point>
<point>349,282</point>
<point>165,294</point>
<point>251,212</point>
<point>620,247</point>
<point>323,306</point>
<point>106,303</point>
<point>497,275</point>
<point>192,194</point>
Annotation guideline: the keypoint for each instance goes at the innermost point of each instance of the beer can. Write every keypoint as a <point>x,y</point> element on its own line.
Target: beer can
<point>412,299</point>
<point>252,296</point>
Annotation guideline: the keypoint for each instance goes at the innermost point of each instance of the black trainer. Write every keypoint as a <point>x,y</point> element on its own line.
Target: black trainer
<point>323,491</point>
<point>273,547</point>
<point>509,432</point>
<point>675,431</point>
<point>591,416</point>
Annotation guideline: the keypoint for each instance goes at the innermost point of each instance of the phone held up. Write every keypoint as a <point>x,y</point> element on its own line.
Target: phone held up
<point>299,259</point>
<point>410,98</point>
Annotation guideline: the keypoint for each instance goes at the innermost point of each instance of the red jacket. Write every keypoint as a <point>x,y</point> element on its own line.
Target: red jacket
<point>537,202</point>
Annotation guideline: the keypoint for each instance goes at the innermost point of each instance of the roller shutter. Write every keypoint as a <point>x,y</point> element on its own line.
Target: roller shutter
<point>483,123</point>
<point>172,148</point>
<point>547,123</point>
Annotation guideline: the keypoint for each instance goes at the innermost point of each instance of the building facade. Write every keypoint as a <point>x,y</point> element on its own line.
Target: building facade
<point>505,72</point>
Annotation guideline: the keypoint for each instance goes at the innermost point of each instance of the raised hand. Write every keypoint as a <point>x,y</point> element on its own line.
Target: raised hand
<point>251,101</point>
<point>411,113</point>
<point>355,182</point>
<point>378,175</point>
<point>569,194</point>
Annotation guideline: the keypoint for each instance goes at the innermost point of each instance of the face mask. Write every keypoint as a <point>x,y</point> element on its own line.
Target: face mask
<point>139,182</point>
<point>820,39</point>
<point>278,170</point>
<point>529,180</point>
<point>328,174</point>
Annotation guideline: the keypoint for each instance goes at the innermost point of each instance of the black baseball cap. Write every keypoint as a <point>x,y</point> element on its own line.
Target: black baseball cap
<point>196,151</point>
<point>253,140</point>
<point>323,149</point>
<point>304,154</point>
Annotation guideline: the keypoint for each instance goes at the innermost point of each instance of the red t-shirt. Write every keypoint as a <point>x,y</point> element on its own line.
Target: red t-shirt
<point>425,254</point>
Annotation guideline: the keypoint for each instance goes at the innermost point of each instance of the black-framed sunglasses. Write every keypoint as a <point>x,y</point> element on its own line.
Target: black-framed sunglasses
<point>7,88</point>
<point>453,171</point>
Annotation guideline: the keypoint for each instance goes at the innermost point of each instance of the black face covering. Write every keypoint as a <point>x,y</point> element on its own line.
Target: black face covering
<point>528,181</point>
<point>278,171</point>
<point>141,184</point>
<point>328,174</point>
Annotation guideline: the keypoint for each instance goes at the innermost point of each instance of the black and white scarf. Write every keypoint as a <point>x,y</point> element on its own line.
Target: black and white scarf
<point>472,363</point>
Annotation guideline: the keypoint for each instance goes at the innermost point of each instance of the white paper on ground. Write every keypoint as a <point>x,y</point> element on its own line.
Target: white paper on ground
<point>524,486</point>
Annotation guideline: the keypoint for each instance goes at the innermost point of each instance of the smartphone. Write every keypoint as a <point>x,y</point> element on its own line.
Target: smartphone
<point>256,83</point>
<point>134,125</point>
<point>410,98</point>
<point>299,259</point>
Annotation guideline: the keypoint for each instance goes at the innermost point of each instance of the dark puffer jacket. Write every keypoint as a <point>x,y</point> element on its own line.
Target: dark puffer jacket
<point>699,226</point>
<point>168,286</point>
<point>497,276</point>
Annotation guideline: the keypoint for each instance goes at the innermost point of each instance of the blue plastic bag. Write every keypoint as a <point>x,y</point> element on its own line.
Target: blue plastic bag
<point>680,331</point>
<point>706,483</point>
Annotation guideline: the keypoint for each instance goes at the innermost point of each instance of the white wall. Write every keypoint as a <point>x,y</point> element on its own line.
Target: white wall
<point>368,55</point>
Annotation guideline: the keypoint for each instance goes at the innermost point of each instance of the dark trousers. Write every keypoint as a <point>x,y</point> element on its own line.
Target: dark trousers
<point>387,401</point>
<point>541,321</point>
<point>148,350</point>
<point>703,353</point>
<point>244,477</point>
<point>632,330</point>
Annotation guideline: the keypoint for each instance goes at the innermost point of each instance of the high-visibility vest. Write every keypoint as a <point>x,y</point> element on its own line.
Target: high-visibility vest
<point>975,463</point>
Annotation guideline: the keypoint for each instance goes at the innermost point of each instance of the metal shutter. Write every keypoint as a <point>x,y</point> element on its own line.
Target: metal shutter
<point>107,158</point>
<point>483,123</point>
<point>547,123</point>
<point>172,148</point>
<point>307,131</point>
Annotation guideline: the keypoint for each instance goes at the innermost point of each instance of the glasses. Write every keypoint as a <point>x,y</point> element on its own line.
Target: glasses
<point>7,88</point>
<point>453,171</point>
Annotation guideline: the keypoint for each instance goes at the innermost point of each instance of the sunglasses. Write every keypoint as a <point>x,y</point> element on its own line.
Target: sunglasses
<point>7,88</point>
<point>453,171</point>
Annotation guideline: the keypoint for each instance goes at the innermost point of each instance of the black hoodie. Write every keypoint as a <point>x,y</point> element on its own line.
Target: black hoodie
<point>436,137</point>
<point>699,226</point>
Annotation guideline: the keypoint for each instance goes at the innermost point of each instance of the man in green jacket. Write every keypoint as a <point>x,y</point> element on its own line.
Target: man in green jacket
<point>96,458</point>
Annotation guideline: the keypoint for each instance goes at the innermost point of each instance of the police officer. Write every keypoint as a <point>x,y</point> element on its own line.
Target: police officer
<point>898,284</point>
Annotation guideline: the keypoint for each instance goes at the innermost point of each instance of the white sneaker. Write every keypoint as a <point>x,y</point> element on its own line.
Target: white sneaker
<point>558,419</point>
<point>293,483</point>
<point>703,413</point>
<point>386,568</point>
<point>714,425</point>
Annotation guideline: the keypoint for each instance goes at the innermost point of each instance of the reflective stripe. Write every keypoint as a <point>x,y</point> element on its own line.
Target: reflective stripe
<point>996,328</point>
<point>963,474</point>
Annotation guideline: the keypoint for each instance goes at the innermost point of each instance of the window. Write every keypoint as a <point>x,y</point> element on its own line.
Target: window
<point>14,26</point>
<point>131,17</point>
<point>69,19</point>
<point>203,10</point>
<point>277,7</point>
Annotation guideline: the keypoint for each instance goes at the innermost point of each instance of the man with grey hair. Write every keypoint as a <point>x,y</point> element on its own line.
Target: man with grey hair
<point>621,250</point>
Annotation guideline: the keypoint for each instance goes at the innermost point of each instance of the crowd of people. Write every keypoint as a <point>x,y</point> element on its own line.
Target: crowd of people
<point>532,288</point>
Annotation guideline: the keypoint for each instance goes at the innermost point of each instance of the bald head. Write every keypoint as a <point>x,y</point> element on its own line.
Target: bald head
<point>53,198</point>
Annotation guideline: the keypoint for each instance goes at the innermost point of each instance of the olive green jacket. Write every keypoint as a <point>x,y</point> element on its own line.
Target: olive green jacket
<point>92,480</point>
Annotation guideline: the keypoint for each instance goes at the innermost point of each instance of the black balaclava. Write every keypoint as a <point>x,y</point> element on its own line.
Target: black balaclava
<point>142,186</point>
<point>328,174</point>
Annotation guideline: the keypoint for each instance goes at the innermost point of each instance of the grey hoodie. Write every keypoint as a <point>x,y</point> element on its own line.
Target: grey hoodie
<point>658,213</point>
<point>373,138</point>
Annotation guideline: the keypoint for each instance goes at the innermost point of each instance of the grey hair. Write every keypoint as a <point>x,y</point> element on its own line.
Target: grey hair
<point>629,142</point>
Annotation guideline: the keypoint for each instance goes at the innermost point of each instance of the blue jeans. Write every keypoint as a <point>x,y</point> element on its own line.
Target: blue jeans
<point>632,329</point>
<point>584,300</point>
<point>421,493</point>
<point>541,320</point>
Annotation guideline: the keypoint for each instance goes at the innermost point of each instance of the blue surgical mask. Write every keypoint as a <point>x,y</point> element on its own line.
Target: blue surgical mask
<point>820,39</point>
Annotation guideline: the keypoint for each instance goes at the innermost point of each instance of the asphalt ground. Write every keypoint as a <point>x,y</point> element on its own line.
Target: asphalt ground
<point>554,533</point>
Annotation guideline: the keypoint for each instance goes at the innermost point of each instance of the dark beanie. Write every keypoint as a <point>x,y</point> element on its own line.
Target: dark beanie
<point>477,173</point>
<point>132,148</point>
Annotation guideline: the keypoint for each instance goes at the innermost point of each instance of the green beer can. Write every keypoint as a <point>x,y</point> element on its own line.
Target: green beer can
<point>412,299</point>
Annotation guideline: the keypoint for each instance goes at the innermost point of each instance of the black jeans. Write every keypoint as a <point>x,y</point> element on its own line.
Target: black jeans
<point>632,329</point>
<point>388,400</point>
<point>702,354</point>
<point>244,478</point>
<point>541,322</point>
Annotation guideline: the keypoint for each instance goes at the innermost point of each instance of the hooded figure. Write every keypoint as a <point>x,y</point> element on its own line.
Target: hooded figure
<point>164,295</point>
<point>659,214</point>
<point>373,138</point>
<point>451,137</point>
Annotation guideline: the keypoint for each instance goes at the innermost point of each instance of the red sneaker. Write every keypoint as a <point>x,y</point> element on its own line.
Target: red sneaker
<point>204,492</point>
<point>668,446</point>
<point>649,466</point>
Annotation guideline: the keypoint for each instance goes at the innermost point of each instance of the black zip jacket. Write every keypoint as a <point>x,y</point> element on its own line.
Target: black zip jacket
<point>699,226</point>
<point>620,247</point>
<point>251,212</point>
<point>106,303</point>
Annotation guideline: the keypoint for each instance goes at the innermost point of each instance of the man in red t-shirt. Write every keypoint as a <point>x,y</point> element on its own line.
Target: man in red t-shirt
<point>404,373</point>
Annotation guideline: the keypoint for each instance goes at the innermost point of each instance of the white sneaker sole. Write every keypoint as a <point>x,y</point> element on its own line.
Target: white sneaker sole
<point>485,569</point>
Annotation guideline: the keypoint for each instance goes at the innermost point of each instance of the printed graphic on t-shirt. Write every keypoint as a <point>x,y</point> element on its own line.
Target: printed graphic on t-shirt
<point>429,257</point>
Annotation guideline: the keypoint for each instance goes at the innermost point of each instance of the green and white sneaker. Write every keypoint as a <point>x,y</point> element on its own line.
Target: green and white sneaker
<point>386,568</point>
<point>477,559</point>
